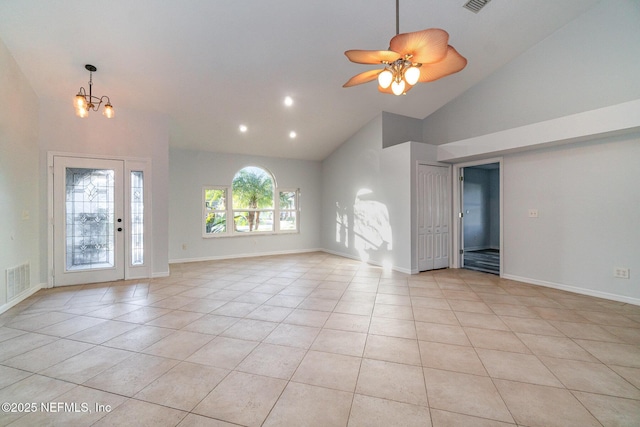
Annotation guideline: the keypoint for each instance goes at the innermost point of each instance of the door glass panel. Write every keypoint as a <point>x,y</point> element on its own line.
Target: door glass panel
<point>89,206</point>
<point>137,218</point>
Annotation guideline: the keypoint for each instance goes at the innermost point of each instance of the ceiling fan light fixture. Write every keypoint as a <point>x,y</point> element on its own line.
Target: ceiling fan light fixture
<point>385,78</point>
<point>412,58</point>
<point>412,75</point>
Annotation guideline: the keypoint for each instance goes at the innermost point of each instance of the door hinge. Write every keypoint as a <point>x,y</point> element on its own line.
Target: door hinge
<point>461,251</point>
<point>460,215</point>
<point>461,178</point>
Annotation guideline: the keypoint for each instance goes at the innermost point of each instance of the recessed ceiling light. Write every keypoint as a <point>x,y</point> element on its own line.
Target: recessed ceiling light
<point>292,134</point>
<point>288,101</point>
<point>243,128</point>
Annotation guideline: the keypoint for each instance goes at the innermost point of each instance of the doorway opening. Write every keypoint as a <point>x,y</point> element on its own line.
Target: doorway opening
<point>480,236</point>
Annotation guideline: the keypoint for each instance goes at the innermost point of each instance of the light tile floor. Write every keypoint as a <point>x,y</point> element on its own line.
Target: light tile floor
<point>319,340</point>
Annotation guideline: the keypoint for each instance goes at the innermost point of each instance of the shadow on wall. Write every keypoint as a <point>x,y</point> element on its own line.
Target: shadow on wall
<point>365,227</point>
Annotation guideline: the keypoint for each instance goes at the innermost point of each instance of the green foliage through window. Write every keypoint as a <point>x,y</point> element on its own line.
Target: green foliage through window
<point>252,204</point>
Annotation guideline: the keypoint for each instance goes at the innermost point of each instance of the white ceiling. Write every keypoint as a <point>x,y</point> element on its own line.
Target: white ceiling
<point>210,65</point>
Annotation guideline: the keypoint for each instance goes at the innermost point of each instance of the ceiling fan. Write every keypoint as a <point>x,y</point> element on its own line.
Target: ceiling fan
<point>420,56</point>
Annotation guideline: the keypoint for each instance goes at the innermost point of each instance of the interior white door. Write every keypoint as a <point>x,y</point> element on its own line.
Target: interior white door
<point>434,213</point>
<point>88,206</point>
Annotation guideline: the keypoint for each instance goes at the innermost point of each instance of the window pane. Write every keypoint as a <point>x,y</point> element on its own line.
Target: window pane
<point>215,198</point>
<point>253,221</point>
<point>137,218</point>
<point>252,189</point>
<point>287,200</point>
<point>288,221</point>
<point>215,222</point>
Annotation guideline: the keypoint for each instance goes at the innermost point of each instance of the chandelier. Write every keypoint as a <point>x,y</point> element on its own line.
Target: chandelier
<point>83,102</point>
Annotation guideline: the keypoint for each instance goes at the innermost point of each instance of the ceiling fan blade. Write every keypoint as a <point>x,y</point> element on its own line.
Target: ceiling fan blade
<point>407,88</point>
<point>452,63</point>
<point>371,56</point>
<point>361,78</point>
<point>426,46</point>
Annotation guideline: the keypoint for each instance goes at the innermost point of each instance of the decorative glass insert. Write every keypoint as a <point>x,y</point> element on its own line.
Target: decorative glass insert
<point>288,210</point>
<point>137,218</point>
<point>215,210</point>
<point>89,211</point>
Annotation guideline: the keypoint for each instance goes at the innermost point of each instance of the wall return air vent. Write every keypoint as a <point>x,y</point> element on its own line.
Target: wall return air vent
<point>475,5</point>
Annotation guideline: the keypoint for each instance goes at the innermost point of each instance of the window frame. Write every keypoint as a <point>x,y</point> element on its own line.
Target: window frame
<point>230,210</point>
<point>206,209</point>
<point>295,210</point>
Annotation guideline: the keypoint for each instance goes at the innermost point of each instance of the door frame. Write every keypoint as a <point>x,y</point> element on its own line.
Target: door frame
<point>457,231</point>
<point>130,164</point>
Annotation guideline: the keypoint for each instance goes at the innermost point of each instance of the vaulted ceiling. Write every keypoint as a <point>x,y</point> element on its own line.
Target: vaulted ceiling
<point>211,65</point>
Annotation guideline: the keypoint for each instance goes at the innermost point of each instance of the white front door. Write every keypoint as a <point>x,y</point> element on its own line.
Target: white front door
<point>434,213</point>
<point>88,206</point>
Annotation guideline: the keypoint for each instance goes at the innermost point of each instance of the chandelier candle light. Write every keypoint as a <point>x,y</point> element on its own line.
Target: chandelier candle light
<point>83,102</point>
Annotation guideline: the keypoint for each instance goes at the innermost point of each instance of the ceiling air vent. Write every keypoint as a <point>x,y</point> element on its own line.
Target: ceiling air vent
<point>476,5</point>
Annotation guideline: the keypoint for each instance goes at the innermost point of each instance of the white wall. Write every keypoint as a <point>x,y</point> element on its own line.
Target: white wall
<point>588,198</point>
<point>189,171</point>
<point>590,63</point>
<point>130,134</point>
<point>19,238</point>
<point>362,177</point>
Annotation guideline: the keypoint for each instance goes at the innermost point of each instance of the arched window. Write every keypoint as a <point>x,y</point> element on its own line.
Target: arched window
<point>253,204</point>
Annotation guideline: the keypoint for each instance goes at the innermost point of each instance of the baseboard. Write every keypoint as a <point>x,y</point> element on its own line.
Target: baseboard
<point>160,274</point>
<point>574,289</point>
<point>377,264</point>
<point>251,255</point>
<point>21,297</point>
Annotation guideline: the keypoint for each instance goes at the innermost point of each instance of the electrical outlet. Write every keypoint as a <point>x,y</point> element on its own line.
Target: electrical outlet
<point>533,213</point>
<point>621,273</point>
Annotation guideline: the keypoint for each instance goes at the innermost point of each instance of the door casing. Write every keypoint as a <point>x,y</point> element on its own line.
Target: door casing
<point>457,231</point>
<point>130,164</point>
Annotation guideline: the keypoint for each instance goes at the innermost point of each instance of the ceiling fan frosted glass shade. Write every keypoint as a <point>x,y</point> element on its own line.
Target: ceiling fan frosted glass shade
<point>385,78</point>
<point>412,75</point>
<point>398,87</point>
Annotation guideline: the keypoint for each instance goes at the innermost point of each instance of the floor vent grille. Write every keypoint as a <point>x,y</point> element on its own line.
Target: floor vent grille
<point>18,280</point>
<point>476,5</point>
